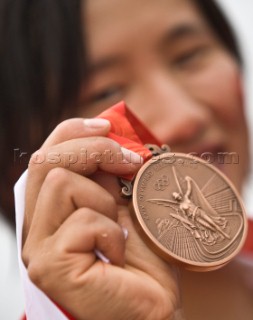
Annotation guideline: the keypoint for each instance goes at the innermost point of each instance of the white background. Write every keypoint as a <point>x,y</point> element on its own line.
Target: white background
<point>240,14</point>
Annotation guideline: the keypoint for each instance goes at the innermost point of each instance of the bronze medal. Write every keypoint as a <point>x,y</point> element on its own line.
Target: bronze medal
<point>188,212</point>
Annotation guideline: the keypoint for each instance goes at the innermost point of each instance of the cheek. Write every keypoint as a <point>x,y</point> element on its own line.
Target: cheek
<point>87,111</point>
<point>219,88</point>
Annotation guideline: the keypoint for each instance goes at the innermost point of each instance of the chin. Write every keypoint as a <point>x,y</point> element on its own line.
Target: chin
<point>234,173</point>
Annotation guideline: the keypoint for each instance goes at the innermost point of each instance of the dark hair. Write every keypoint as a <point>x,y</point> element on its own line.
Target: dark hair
<point>42,66</point>
<point>216,18</point>
<point>41,69</point>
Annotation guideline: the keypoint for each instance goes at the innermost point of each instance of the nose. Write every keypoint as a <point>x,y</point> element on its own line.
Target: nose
<point>171,113</point>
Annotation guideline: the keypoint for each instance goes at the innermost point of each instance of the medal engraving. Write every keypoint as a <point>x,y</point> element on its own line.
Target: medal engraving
<point>189,213</point>
<point>162,183</point>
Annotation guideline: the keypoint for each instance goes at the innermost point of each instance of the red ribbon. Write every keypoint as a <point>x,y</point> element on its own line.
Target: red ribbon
<point>128,131</point>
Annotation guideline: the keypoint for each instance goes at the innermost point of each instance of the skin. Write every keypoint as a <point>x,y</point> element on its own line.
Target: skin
<point>180,66</point>
<point>63,248</point>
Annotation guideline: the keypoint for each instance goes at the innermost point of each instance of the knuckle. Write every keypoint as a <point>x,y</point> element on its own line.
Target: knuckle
<point>36,270</point>
<point>38,157</point>
<point>66,126</point>
<point>62,125</point>
<point>86,216</point>
<point>25,256</point>
<point>57,177</point>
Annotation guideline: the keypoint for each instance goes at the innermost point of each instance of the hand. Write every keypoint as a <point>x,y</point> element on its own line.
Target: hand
<point>68,216</point>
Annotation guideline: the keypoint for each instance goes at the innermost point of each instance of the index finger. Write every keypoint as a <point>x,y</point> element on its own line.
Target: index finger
<point>77,128</point>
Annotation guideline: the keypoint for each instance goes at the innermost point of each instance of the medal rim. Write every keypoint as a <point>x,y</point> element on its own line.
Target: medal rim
<point>161,250</point>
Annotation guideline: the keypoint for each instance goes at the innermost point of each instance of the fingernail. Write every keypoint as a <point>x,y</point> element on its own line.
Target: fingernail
<point>131,157</point>
<point>125,232</point>
<point>96,123</point>
<point>102,257</point>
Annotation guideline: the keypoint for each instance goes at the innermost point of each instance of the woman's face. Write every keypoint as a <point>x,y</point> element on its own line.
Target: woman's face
<point>162,58</point>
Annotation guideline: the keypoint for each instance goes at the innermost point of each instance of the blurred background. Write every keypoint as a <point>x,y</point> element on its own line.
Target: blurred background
<point>240,15</point>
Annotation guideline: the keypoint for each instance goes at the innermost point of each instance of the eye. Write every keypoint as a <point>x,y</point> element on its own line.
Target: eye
<point>190,57</point>
<point>111,93</point>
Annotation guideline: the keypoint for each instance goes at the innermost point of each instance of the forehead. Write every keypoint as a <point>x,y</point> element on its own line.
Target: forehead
<point>111,23</point>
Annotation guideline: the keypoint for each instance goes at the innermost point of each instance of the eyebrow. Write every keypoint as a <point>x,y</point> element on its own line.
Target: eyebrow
<point>104,64</point>
<point>178,33</point>
<point>183,31</point>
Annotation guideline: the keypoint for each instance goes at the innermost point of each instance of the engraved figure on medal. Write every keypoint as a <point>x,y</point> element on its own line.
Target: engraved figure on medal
<point>193,213</point>
<point>199,218</point>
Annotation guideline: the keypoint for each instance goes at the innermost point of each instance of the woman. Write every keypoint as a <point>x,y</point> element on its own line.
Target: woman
<point>176,65</point>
